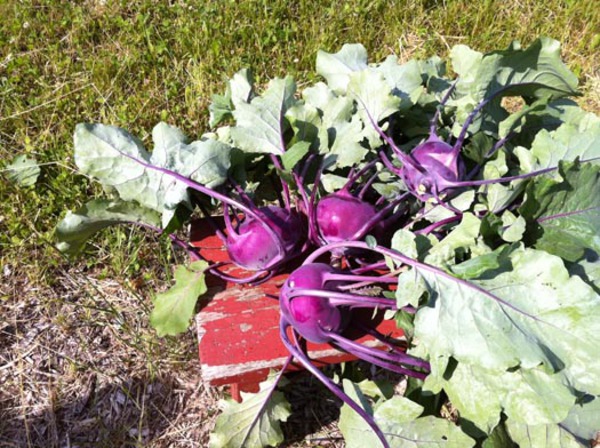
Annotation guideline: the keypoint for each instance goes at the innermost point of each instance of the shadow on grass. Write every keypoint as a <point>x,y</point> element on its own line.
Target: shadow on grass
<point>133,413</point>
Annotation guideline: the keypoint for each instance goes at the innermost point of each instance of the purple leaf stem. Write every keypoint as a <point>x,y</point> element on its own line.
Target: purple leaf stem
<point>301,357</point>
<point>337,298</point>
<point>419,266</point>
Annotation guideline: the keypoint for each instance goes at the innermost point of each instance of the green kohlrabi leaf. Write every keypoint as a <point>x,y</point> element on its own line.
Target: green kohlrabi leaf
<point>399,419</point>
<point>306,123</point>
<point>332,183</point>
<point>404,80</point>
<point>577,139</point>
<point>373,96</point>
<point>529,321</point>
<point>334,111</point>
<point>261,124</point>
<point>293,155</point>
<point>584,419</point>
<point>513,227</point>
<point>118,159</point>
<point>333,107</point>
<point>340,134</point>
<point>174,308</point>
<point>239,90</point>
<point>542,436</point>
<point>346,149</point>
<point>233,424</point>
<point>23,170</point>
<point>535,72</point>
<point>76,228</point>
<point>476,267</point>
<point>529,312</point>
<point>457,242</point>
<point>567,213</point>
<point>337,67</point>
<point>480,395</point>
<point>578,430</point>
<point>588,269</point>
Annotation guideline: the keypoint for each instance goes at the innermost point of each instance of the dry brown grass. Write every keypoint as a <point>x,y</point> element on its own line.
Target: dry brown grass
<point>71,378</point>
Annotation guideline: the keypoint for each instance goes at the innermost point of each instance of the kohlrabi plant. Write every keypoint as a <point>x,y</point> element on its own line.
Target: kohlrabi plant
<point>465,207</point>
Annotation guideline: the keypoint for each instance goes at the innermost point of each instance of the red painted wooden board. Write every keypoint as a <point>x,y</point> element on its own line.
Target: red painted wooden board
<point>238,330</point>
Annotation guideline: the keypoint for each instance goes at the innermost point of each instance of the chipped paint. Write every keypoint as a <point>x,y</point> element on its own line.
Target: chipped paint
<point>245,327</point>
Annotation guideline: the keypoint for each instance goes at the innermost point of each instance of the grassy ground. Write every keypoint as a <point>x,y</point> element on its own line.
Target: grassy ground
<point>78,364</point>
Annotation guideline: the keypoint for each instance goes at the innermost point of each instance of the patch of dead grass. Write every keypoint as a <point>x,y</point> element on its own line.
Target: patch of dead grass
<point>79,368</point>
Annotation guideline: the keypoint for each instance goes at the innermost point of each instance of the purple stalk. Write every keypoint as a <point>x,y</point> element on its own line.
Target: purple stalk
<point>434,119</point>
<point>473,183</point>
<point>243,195</point>
<point>377,335</point>
<point>404,158</point>
<point>313,231</point>
<point>353,177</point>
<point>369,267</point>
<point>361,353</point>
<point>427,230</point>
<point>301,357</point>
<point>370,279</point>
<point>228,223</point>
<point>499,144</point>
<point>377,217</point>
<point>213,268</point>
<point>212,222</point>
<point>396,357</point>
<point>565,214</point>
<point>389,165</point>
<point>284,185</point>
<point>367,185</point>
<point>419,266</point>
<point>337,298</point>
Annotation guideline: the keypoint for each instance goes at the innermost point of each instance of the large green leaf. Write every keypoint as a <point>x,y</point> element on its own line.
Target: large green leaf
<point>336,68</point>
<point>260,124</point>
<point>534,72</point>
<point>373,95</point>
<point>24,171</point>
<point>458,242</point>
<point>567,212</point>
<point>588,269</point>
<point>578,138</point>
<point>346,149</point>
<point>399,419</point>
<point>584,419</point>
<point>233,424</point>
<point>174,308</point>
<point>404,80</point>
<point>239,90</point>
<point>532,395</point>
<point>77,227</point>
<point>340,132</point>
<point>118,159</point>
<point>528,314</point>
<point>577,431</point>
<point>519,339</point>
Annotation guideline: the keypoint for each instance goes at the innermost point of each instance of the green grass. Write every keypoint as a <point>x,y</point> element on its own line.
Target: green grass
<point>134,63</point>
